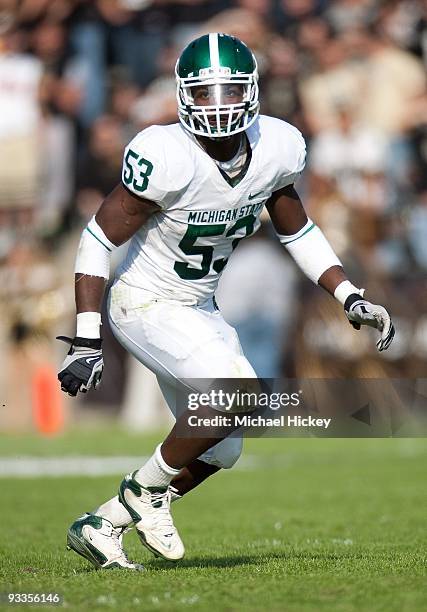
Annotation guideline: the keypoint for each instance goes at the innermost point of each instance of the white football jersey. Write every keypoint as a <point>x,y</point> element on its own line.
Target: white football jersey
<point>181,251</point>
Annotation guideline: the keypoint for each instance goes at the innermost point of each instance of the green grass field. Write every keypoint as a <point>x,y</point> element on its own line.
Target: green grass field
<point>308,525</point>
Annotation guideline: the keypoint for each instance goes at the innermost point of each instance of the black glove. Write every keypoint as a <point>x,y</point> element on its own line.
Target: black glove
<point>82,368</point>
<point>361,312</point>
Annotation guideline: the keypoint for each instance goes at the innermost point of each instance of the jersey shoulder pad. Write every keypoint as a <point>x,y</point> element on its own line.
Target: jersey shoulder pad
<point>288,147</point>
<point>156,166</point>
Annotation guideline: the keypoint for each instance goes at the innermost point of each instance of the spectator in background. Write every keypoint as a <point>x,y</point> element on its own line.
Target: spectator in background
<point>344,15</point>
<point>290,13</point>
<point>405,23</point>
<point>20,82</point>
<point>417,231</point>
<point>389,78</point>
<point>31,12</point>
<point>48,42</point>
<point>56,154</point>
<point>353,155</point>
<point>335,79</point>
<point>124,95</point>
<point>99,168</point>
<point>157,104</point>
<point>249,27</point>
<point>108,33</point>
<point>280,83</point>
<point>262,8</point>
<point>312,37</point>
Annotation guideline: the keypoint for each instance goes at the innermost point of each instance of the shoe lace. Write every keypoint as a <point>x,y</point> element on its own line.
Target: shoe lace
<point>161,501</point>
<point>116,541</point>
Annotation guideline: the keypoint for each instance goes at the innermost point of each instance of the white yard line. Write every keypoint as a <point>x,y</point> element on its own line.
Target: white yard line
<point>81,465</point>
<point>75,465</point>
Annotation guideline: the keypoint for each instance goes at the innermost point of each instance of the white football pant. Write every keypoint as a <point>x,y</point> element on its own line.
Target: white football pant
<point>179,342</point>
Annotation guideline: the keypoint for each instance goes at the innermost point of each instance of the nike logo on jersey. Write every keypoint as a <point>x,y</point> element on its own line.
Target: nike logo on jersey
<point>251,197</point>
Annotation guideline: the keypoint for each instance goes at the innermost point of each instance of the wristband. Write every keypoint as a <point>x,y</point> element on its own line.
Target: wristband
<point>88,325</point>
<point>344,289</point>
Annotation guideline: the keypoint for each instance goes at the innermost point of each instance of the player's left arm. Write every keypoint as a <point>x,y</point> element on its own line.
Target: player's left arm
<point>314,255</point>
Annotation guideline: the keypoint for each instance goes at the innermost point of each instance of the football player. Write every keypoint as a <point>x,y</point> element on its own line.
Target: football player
<point>189,193</point>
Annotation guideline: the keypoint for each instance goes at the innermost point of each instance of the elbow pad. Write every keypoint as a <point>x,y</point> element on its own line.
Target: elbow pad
<point>94,252</point>
<point>310,250</point>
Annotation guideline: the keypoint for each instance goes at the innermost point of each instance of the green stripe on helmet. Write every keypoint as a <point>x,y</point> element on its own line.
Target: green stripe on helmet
<point>233,54</point>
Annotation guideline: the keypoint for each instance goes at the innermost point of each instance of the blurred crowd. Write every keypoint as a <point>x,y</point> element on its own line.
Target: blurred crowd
<point>79,78</point>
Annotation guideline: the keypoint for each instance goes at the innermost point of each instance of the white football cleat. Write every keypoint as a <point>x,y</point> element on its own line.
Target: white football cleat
<point>97,540</point>
<point>149,508</point>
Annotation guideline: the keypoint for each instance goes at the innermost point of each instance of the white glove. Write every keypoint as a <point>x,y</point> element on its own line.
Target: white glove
<point>83,365</point>
<point>361,312</point>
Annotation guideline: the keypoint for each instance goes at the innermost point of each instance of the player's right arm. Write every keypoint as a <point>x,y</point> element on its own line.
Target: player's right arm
<point>120,216</point>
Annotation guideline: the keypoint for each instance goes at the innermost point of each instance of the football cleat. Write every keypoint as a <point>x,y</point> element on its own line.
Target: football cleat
<point>149,508</point>
<point>97,540</point>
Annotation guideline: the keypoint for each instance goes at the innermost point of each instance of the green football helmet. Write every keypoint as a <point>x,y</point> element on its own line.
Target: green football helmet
<point>217,86</point>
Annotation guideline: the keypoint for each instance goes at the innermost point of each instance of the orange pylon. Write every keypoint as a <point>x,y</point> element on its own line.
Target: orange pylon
<point>47,402</point>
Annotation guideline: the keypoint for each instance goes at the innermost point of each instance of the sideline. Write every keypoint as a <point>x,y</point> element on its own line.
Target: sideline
<point>85,465</point>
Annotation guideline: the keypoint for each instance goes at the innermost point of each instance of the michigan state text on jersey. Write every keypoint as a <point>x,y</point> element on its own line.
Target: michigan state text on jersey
<point>190,192</point>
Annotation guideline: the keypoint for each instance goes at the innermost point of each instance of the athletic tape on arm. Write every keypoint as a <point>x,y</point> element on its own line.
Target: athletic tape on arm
<point>310,250</point>
<point>94,252</point>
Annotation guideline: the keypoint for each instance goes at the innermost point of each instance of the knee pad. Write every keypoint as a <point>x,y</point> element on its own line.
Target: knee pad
<point>224,454</point>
